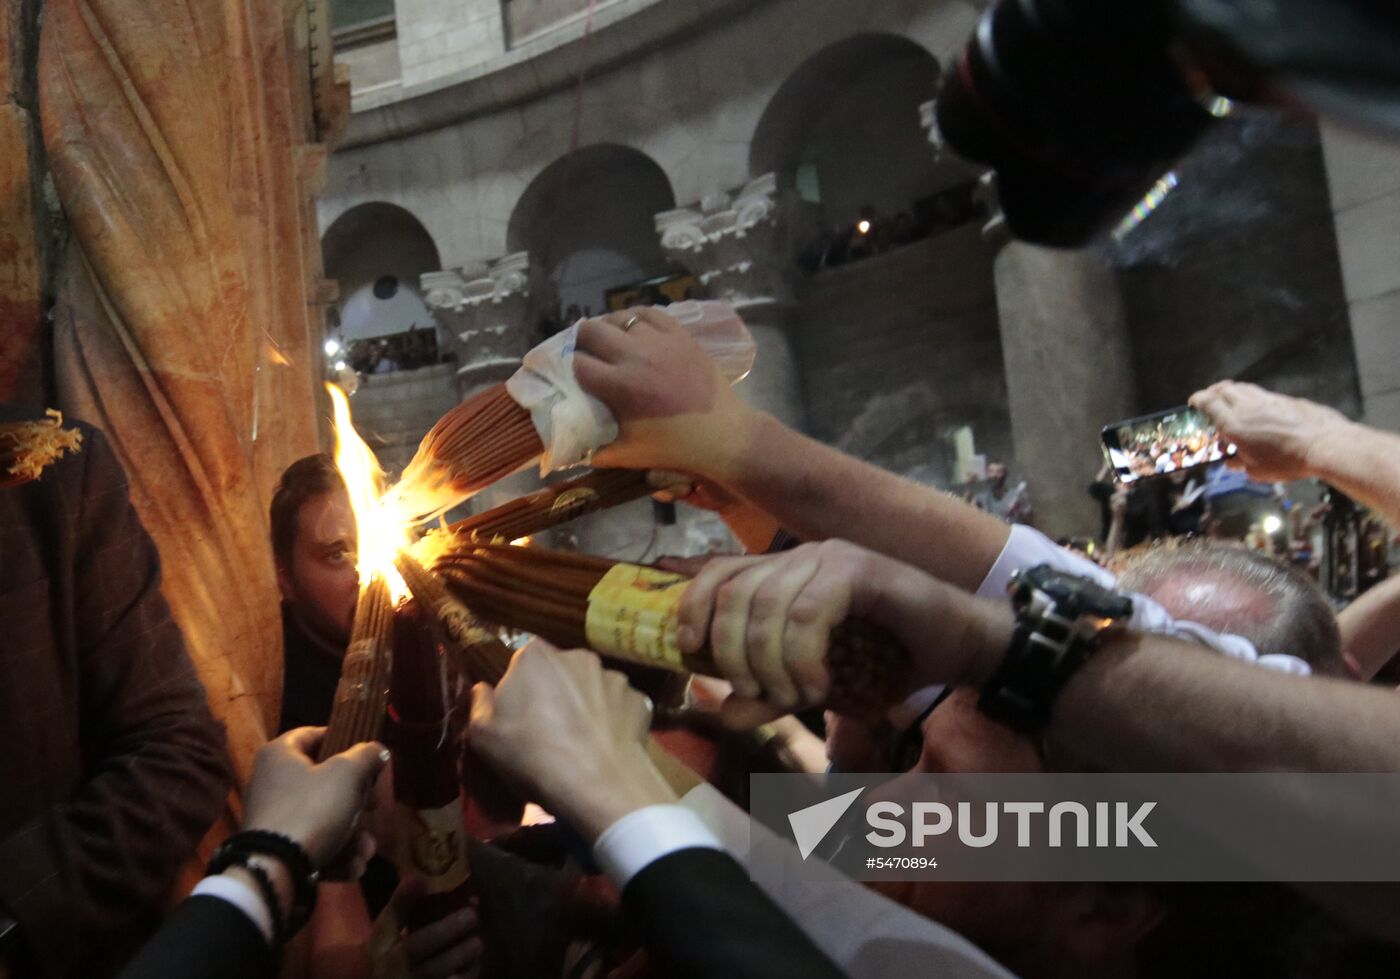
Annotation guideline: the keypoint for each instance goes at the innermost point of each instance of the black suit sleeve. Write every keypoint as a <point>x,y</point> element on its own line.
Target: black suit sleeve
<point>703,917</point>
<point>205,938</point>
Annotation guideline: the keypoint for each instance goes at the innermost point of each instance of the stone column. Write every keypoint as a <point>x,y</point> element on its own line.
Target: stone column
<point>1363,172</point>
<point>487,312</point>
<point>740,248</point>
<point>1069,372</point>
<point>1068,361</point>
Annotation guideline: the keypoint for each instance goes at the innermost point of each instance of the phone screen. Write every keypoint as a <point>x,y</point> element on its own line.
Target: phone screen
<point>1167,442</point>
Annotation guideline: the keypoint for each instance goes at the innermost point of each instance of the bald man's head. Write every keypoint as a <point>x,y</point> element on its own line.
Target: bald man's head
<point>1229,588</point>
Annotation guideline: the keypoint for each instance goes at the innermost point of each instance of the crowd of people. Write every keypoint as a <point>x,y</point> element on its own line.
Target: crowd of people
<point>602,843</point>
<point>1224,643</point>
<point>1231,639</point>
<point>875,232</point>
<point>407,351</point>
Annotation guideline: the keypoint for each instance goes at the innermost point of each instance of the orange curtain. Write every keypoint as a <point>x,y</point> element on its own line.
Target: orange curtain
<point>178,137</point>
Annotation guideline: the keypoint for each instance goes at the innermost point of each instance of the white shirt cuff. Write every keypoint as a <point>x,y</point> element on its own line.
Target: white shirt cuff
<point>643,837</point>
<point>241,896</point>
<point>1026,548</point>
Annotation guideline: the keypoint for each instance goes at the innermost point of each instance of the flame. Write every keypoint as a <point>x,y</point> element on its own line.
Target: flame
<point>380,531</point>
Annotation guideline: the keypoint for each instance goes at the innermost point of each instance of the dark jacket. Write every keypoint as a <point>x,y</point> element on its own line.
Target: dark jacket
<point>702,916</point>
<point>113,767</point>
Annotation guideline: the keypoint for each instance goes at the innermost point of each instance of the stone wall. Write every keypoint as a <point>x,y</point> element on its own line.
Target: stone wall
<point>900,350</point>
<point>1237,274</point>
<point>460,158</point>
<point>1364,173</point>
<point>394,411</point>
<point>437,37</point>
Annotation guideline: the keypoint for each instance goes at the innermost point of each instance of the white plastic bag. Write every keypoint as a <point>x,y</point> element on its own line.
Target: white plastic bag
<point>573,425</point>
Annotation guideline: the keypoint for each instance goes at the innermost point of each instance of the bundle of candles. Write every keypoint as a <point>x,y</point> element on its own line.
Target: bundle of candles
<point>478,654</point>
<point>539,511</point>
<point>27,447</point>
<point>482,440</point>
<point>630,612</point>
<point>357,714</point>
<point>432,840</point>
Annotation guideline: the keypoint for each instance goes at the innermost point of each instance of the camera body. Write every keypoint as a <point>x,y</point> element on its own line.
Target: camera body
<point>1081,106</point>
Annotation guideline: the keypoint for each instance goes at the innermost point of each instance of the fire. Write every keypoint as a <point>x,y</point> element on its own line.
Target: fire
<point>381,532</point>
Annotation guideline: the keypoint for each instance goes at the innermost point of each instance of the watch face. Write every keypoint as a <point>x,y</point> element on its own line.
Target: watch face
<point>1079,595</point>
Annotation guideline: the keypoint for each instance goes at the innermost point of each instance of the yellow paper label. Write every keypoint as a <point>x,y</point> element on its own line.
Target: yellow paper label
<point>432,843</point>
<point>632,615</point>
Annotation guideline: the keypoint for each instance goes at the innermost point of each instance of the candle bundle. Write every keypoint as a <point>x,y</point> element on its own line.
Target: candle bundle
<point>432,839</point>
<point>629,612</point>
<point>480,441</point>
<point>358,711</point>
<point>551,507</point>
<point>476,653</point>
<point>27,447</point>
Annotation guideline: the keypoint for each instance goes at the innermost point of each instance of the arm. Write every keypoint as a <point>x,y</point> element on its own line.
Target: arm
<point>90,867</point>
<point>590,766</point>
<point>678,900</point>
<point>1282,438</point>
<point>1118,506</point>
<point>677,413</point>
<point>753,528</point>
<point>226,928</point>
<point>1142,703</point>
<point>1371,628</point>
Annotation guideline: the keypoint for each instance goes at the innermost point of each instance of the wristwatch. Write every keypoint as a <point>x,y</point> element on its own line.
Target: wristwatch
<point>1060,621</point>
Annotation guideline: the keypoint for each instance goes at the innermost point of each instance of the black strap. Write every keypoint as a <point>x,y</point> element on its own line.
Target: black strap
<point>239,848</point>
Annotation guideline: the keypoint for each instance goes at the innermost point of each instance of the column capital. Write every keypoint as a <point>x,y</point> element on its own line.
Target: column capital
<point>488,313</point>
<point>738,243</point>
<point>928,118</point>
<point>489,282</point>
<point>995,232</point>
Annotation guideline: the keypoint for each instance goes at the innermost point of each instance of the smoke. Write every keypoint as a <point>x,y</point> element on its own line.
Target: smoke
<point>1220,189</point>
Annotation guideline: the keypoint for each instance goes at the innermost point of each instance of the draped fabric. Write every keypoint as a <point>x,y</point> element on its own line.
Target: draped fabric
<point>175,133</point>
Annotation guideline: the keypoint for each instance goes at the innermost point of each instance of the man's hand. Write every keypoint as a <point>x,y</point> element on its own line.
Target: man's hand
<point>446,949</point>
<point>675,409</point>
<point>768,620</point>
<point>1275,434</point>
<point>317,805</point>
<point>675,487</point>
<point>754,528</point>
<point>573,732</point>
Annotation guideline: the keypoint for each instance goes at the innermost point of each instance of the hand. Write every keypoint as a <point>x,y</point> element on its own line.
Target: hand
<point>674,407</point>
<point>768,621</point>
<point>317,805</point>
<point>573,732</point>
<point>754,528</point>
<point>674,487</point>
<point>447,949</point>
<point>1118,502</point>
<point>1274,433</point>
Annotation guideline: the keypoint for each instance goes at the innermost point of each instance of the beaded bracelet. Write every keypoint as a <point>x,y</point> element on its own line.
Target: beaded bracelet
<point>239,848</point>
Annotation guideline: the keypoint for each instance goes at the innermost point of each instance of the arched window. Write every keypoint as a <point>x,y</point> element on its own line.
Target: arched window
<point>589,220</point>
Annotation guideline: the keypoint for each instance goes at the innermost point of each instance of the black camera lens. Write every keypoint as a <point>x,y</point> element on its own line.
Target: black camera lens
<point>1078,107</point>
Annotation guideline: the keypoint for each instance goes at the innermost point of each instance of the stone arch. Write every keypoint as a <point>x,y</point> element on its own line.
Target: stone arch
<point>588,220</point>
<point>377,252</point>
<point>845,129</point>
<point>914,431</point>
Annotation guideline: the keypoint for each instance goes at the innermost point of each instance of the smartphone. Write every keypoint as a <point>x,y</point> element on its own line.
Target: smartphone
<point>1167,442</point>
